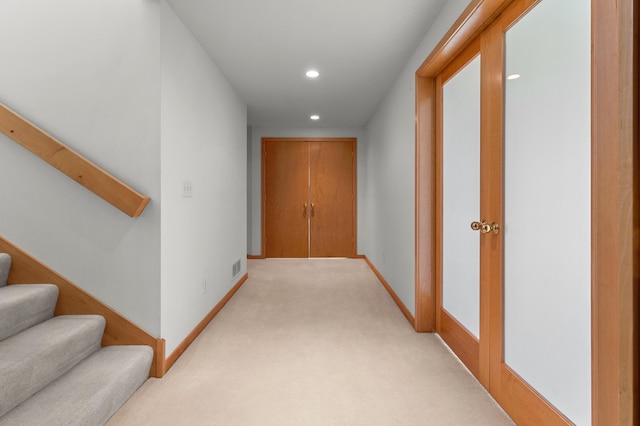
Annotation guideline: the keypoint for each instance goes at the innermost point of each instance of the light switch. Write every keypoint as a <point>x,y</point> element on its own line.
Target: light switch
<point>187,189</point>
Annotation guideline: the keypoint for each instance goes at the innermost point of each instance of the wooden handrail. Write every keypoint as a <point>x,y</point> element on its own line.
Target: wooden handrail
<point>71,163</point>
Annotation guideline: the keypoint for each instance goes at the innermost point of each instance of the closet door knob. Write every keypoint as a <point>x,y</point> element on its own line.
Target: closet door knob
<point>304,213</point>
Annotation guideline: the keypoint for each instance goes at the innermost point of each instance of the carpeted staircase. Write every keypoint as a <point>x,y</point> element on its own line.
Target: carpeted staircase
<point>53,370</point>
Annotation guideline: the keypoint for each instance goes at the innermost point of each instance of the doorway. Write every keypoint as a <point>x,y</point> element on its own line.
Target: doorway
<point>514,193</point>
<point>309,197</point>
<point>512,209</point>
<point>612,211</point>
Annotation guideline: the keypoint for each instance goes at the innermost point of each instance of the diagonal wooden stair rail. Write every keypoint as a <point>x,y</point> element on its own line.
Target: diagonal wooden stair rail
<point>71,163</point>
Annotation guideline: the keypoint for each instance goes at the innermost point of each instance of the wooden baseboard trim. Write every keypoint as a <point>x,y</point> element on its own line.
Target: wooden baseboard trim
<point>462,342</point>
<point>168,363</point>
<point>73,300</point>
<point>392,293</point>
<point>524,404</point>
<point>253,256</point>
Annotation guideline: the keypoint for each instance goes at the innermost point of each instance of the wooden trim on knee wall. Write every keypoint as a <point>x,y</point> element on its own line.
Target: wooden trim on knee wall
<point>73,300</point>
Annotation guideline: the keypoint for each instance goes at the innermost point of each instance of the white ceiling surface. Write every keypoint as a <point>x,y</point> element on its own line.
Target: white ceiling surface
<point>264,48</point>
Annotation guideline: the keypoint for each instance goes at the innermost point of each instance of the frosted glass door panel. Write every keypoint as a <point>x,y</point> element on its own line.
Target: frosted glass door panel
<point>461,196</point>
<point>547,204</point>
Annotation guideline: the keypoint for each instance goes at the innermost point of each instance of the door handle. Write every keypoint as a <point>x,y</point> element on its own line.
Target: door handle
<point>304,213</point>
<point>485,227</point>
<point>313,210</point>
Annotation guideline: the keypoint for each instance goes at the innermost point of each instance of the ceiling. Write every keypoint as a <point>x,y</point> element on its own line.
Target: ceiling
<point>264,48</point>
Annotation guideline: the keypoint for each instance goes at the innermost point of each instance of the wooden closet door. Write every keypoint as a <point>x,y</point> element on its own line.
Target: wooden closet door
<point>286,192</point>
<point>332,198</point>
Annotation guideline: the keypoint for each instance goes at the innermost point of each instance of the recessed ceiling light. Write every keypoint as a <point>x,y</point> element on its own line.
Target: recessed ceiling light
<point>313,74</point>
<point>315,117</point>
<point>513,76</point>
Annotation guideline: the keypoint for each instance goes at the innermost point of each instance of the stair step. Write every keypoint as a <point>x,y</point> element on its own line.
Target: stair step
<point>5,265</point>
<point>90,393</point>
<point>37,356</point>
<point>25,305</point>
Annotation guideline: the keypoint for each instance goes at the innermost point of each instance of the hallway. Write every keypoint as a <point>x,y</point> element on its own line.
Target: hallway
<point>313,342</point>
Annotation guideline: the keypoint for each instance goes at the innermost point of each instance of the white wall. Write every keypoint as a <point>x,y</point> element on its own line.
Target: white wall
<point>204,141</point>
<point>125,85</point>
<point>255,172</point>
<point>87,72</point>
<point>388,227</point>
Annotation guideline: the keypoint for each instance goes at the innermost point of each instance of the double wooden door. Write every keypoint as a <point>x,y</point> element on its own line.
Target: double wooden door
<point>309,197</point>
<point>513,193</point>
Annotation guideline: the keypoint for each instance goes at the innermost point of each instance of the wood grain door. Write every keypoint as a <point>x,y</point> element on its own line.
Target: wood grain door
<point>331,196</point>
<point>309,193</point>
<point>285,195</point>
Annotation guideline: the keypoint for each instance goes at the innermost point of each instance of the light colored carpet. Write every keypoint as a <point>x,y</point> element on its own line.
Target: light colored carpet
<point>313,342</point>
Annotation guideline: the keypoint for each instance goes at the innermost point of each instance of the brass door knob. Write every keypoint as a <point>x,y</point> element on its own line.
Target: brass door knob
<point>486,227</point>
<point>494,227</point>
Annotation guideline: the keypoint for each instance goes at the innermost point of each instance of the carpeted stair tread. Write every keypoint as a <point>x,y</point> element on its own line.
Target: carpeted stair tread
<point>5,265</point>
<point>37,356</point>
<point>25,305</point>
<point>90,393</point>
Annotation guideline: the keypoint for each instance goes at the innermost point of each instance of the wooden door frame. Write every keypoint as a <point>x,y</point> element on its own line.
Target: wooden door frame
<point>355,185</point>
<point>615,194</point>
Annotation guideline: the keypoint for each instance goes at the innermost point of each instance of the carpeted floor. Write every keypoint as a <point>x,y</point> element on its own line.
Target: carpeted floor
<point>313,342</point>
